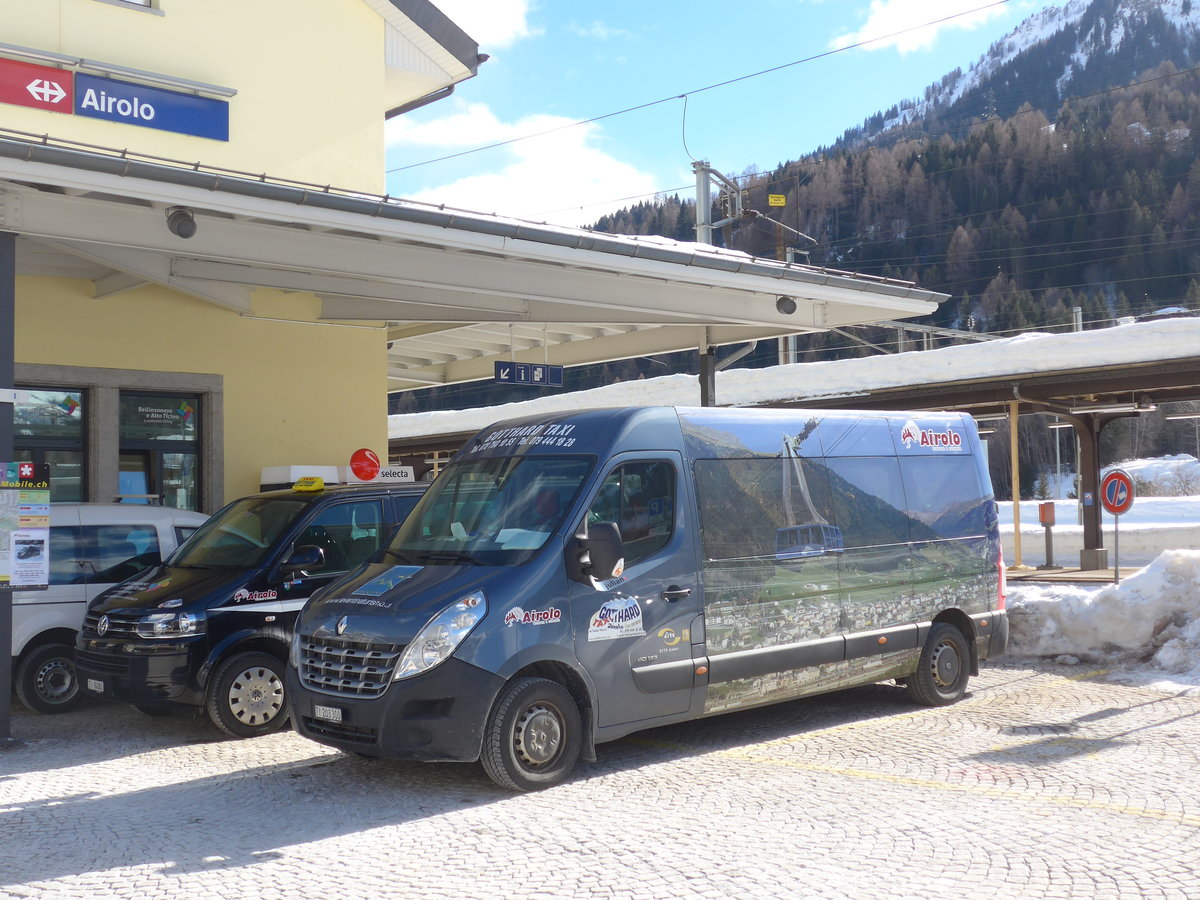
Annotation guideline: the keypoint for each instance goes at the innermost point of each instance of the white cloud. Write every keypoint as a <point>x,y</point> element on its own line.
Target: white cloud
<point>492,23</point>
<point>561,177</point>
<point>898,17</point>
<point>597,30</point>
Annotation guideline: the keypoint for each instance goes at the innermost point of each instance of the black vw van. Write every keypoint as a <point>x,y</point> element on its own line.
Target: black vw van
<point>210,627</point>
<point>573,578</point>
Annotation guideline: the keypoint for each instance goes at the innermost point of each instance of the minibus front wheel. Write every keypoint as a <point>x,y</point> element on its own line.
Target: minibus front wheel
<point>941,676</point>
<point>533,735</point>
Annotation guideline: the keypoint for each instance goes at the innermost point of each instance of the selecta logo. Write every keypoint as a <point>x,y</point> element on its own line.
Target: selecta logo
<point>911,434</point>
<point>518,616</point>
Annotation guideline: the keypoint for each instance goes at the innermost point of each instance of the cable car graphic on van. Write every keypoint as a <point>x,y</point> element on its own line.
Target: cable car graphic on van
<point>814,536</point>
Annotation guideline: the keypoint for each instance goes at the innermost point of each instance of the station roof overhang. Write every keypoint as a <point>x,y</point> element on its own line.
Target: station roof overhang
<point>1095,375</point>
<point>455,291</point>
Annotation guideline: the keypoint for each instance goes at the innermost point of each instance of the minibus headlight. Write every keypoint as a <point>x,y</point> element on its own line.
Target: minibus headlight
<point>172,625</point>
<point>441,635</point>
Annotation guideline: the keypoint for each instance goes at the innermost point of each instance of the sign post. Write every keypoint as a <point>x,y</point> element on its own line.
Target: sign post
<point>1116,496</point>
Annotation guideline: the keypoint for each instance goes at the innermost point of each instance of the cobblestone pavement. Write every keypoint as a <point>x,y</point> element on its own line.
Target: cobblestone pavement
<point>1045,781</point>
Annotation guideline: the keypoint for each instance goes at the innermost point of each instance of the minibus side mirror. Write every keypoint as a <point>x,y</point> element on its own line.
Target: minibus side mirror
<point>306,558</point>
<point>595,551</point>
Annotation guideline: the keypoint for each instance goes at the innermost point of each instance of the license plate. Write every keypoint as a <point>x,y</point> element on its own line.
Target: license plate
<point>328,713</point>
<point>95,685</point>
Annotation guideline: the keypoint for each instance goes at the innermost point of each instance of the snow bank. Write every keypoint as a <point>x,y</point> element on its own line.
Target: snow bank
<point>1148,624</point>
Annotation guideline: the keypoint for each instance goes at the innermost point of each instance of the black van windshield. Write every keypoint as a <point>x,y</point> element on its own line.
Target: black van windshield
<point>240,536</point>
<point>491,512</point>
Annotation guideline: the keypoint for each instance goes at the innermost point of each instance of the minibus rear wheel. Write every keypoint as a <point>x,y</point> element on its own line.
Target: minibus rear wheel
<point>533,735</point>
<point>941,676</point>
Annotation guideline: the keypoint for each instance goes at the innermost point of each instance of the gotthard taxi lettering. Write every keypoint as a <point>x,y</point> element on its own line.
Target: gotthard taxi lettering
<point>547,435</point>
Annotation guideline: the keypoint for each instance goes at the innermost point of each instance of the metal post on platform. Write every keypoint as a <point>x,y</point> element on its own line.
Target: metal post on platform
<point>8,312</point>
<point>1013,418</point>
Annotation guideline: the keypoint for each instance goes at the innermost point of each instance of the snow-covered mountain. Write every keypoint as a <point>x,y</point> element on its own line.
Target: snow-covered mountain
<point>1071,49</point>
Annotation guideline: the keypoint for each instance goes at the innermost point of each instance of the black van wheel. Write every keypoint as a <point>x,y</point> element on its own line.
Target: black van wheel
<point>941,676</point>
<point>46,681</point>
<point>246,695</point>
<point>533,735</point>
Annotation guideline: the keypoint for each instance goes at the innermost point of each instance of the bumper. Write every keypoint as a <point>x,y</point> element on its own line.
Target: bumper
<point>438,716</point>
<point>999,640</point>
<point>149,673</point>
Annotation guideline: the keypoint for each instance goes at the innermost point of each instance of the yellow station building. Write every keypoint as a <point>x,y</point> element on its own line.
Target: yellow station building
<point>131,385</point>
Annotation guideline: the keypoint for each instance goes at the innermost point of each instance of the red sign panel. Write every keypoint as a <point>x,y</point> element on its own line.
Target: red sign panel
<point>1116,492</point>
<point>364,464</point>
<point>42,87</point>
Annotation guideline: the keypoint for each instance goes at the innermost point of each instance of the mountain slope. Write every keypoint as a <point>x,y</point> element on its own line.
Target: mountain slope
<point>1072,50</point>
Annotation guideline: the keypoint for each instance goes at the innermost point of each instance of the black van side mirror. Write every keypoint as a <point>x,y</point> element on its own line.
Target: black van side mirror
<point>305,558</point>
<point>595,551</point>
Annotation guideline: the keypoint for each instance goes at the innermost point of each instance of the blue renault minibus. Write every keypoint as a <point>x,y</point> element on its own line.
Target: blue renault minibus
<point>570,579</point>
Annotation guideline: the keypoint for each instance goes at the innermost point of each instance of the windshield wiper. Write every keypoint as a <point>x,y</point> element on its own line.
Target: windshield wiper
<point>402,557</point>
<point>454,556</point>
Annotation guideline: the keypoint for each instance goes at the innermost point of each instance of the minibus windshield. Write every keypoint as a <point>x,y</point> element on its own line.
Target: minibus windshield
<point>490,512</point>
<point>239,536</point>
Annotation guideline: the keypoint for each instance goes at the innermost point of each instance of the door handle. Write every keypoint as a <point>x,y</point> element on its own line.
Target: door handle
<point>675,592</point>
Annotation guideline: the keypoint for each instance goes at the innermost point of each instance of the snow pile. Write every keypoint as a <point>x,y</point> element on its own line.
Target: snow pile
<point>1165,472</point>
<point>1151,620</point>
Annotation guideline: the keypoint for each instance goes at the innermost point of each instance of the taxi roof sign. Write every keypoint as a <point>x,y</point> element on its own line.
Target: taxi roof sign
<point>310,483</point>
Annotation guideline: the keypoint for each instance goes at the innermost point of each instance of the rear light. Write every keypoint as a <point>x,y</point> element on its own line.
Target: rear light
<point>1002,584</point>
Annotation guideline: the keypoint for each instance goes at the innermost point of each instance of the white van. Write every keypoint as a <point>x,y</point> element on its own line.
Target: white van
<point>92,547</point>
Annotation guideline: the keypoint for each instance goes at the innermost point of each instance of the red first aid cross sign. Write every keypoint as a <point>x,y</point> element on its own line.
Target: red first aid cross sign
<point>42,87</point>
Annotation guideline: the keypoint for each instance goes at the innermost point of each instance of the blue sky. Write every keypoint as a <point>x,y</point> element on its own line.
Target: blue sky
<point>555,62</point>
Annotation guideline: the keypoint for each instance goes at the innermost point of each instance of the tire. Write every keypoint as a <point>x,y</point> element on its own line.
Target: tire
<point>533,735</point>
<point>942,673</point>
<point>46,680</point>
<point>246,695</point>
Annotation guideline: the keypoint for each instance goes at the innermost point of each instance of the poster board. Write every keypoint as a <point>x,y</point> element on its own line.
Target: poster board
<point>24,526</point>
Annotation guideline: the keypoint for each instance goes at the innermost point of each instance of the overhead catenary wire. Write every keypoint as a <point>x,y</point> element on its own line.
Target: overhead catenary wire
<point>711,87</point>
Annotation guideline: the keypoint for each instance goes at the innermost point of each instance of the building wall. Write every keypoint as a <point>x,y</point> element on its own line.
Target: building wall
<point>311,94</point>
<point>291,393</point>
<point>309,76</point>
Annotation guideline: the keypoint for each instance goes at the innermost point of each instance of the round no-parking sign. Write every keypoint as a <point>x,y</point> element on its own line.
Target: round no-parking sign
<point>1116,492</point>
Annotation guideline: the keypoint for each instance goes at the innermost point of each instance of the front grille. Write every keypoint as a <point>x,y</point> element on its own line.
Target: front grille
<point>121,625</point>
<point>348,733</point>
<point>338,666</point>
<point>102,662</point>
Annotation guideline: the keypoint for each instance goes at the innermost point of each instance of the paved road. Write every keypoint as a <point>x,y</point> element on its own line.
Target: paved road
<point>1044,782</point>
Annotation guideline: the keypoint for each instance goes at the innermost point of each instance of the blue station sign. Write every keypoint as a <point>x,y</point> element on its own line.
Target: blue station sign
<point>537,374</point>
<point>151,107</point>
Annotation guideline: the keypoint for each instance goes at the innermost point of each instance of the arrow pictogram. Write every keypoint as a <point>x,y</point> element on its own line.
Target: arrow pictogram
<point>45,90</point>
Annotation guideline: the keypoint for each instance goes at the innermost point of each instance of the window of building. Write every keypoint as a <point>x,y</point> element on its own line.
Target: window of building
<point>48,427</point>
<point>160,449</point>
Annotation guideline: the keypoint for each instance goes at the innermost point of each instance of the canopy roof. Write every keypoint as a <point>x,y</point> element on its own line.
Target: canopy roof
<point>457,291</point>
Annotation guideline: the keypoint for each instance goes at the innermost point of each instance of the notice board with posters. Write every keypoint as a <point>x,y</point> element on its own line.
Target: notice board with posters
<point>24,526</point>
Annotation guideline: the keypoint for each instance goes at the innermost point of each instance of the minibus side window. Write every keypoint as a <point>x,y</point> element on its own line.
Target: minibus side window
<point>65,555</point>
<point>944,493</point>
<point>868,500</point>
<point>763,507</point>
<point>640,498</point>
<point>117,552</point>
<point>347,533</point>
